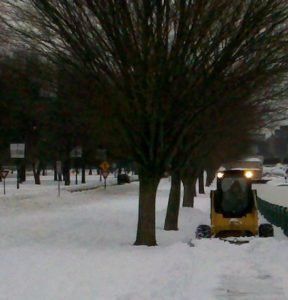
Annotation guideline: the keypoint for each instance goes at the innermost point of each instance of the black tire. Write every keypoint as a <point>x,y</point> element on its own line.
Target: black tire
<point>203,232</point>
<point>266,230</point>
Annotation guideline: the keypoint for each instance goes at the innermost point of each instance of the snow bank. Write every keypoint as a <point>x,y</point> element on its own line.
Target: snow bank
<point>278,170</point>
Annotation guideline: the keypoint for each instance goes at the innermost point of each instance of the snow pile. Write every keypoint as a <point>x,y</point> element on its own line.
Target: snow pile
<point>279,171</point>
<point>254,159</point>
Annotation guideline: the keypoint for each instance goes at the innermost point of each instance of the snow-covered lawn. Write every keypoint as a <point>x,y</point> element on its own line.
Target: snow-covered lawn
<point>275,191</point>
<point>79,246</point>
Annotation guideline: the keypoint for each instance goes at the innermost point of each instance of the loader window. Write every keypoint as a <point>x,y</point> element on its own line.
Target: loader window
<point>235,196</point>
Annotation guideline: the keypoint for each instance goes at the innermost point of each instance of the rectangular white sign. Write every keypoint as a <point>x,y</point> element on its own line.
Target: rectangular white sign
<point>17,150</point>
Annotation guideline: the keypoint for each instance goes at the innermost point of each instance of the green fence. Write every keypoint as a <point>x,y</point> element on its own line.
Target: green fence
<point>275,214</point>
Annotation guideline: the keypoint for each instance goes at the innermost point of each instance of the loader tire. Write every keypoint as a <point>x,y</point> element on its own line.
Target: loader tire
<point>203,232</point>
<point>266,230</point>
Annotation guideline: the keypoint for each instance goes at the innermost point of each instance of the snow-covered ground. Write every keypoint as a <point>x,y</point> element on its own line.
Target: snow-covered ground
<point>79,246</point>
<point>276,190</point>
<point>276,194</point>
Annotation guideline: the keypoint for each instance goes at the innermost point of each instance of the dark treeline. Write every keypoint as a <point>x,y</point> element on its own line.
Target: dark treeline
<point>52,111</point>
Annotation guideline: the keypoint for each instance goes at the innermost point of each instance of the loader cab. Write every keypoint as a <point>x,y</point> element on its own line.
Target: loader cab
<point>234,197</point>
<point>234,210</point>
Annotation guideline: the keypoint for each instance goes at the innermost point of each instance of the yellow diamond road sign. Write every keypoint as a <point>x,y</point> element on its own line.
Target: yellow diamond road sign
<point>105,166</point>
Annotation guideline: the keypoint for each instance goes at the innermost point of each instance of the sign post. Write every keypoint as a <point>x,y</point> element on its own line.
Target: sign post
<point>76,153</point>
<point>105,171</point>
<point>105,175</point>
<point>59,172</point>
<point>3,175</point>
<point>17,151</point>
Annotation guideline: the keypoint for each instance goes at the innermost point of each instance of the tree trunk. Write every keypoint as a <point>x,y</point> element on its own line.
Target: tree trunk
<point>90,171</point>
<point>146,214</point>
<point>55,173</point>
<point>36,173</point>
<point>210,176</point>
<point>83,179</point>
<point>189,190</point>
<point>22,173</point>
<point>201,188</point>
<point>171,220</point>
<point>37,178</point>
<point>66,172</point>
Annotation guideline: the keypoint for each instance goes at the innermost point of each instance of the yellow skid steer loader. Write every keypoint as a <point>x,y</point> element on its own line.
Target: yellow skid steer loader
<point>234,210</point>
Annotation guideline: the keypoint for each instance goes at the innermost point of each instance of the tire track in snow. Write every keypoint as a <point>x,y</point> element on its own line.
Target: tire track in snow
<point>247,276</point>
<point>262,287</point>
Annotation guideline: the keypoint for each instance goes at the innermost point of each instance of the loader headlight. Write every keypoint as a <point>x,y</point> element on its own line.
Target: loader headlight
<point>248,174</point>
<point>220,174</point>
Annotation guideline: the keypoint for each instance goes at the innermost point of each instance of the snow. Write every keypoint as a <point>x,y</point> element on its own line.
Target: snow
<point>276,190</point>
<point>79,246</point>
<point>275,171</point>
<point>244,169</point>
<point>254,159</point>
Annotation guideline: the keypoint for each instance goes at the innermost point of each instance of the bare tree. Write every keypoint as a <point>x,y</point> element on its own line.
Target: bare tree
<point>3,28</point>
<point>229,129</point>
<point>159,62</point>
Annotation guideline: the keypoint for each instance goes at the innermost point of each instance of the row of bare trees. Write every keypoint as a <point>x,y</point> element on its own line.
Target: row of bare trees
<point>185,80</point>
<point>43,107</point>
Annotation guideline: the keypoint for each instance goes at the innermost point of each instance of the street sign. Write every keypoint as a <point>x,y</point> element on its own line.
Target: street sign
<point>105,166</point>
<point>4,173</point>
<point>17,150</point>
<point>76,152</point>
<point>59,167</point>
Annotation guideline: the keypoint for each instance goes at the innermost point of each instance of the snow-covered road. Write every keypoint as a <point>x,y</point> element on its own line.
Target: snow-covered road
<point>79,246</point>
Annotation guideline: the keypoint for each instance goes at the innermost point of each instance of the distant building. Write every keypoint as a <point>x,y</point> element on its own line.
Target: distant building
<point>273,149</point>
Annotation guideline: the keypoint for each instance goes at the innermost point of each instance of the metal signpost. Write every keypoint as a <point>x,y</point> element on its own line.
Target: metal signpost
<point>76,153</point>
<point>105,175</point>
<point>105,171</point>
<point>17,151</point>
<point>3,175</point>
<point>59,172</point>
<point>101,155</point>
